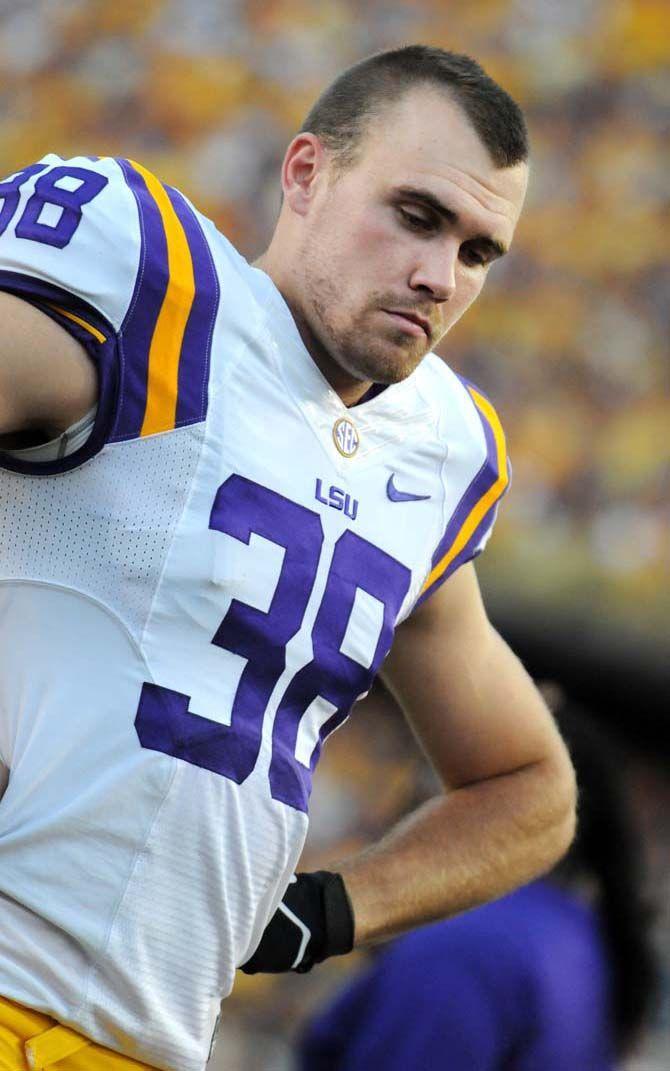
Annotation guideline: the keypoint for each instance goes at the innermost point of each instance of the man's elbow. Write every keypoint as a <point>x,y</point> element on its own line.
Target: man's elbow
<point>560,796</point>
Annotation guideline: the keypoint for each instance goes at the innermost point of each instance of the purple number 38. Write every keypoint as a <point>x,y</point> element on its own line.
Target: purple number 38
<point>82,185</point>
<point>164,722</point>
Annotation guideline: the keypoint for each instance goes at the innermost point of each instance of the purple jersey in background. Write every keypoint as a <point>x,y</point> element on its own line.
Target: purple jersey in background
<point>518,985</point>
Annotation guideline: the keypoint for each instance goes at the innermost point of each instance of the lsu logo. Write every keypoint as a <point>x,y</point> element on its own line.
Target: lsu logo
<point>337,499</point>
<point>345,437</point>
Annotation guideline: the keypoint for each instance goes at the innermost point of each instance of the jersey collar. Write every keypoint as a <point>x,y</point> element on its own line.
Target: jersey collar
<point>304,378</point>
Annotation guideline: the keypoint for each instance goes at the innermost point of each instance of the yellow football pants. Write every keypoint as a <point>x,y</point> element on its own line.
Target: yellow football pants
<point>30,1041</point>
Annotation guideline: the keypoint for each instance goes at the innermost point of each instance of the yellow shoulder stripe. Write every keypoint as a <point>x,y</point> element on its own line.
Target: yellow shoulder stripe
<point>168,336</point>
<point>488,499</point>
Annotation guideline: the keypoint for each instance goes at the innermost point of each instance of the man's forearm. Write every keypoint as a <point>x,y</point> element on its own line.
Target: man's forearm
<point>460,850</point>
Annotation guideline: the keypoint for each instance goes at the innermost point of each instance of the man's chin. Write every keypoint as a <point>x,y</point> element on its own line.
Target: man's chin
<point>388,367</point>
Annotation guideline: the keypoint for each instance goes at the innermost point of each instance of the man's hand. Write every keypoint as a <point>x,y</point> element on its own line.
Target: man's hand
<point>313,921</point>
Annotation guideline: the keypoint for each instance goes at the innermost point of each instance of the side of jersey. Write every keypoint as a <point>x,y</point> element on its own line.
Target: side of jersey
<point>122,262</point>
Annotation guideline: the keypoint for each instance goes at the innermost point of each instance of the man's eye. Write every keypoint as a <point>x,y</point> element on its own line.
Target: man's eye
<point>418,222</point>
<point>473,257</point>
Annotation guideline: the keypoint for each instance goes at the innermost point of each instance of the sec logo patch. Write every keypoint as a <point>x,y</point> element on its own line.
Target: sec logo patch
<point>345,437</point>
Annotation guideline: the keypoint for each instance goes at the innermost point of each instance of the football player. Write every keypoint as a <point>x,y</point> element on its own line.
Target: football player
<point>230,495</point>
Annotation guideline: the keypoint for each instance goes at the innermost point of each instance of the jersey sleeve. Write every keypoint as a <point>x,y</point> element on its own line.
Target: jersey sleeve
<point>469,527</point>
<point>121,262</point>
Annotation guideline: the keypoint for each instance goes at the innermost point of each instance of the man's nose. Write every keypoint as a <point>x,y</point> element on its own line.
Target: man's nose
<point>436,271</point>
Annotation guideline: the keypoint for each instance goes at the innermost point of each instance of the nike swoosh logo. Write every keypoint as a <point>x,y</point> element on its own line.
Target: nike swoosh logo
<point>402,496</point>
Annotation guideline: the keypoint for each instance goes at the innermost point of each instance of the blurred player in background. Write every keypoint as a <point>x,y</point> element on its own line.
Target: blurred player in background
<point>225,489</point>
<point>560,974</point>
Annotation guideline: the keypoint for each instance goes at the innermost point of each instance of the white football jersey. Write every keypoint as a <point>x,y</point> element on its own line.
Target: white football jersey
<point>191,600</point>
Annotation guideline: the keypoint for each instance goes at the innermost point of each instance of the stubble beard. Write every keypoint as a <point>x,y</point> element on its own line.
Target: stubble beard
<point>363,350</point>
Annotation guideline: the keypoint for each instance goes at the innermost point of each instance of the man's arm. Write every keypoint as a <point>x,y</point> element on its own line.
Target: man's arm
<point>47,380</point>
<point>508,813</point>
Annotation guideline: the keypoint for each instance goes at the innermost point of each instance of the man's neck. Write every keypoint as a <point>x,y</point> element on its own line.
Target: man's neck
<point>350,389</point>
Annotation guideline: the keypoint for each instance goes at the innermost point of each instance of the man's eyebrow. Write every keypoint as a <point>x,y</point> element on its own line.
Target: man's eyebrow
<point>426,197</point>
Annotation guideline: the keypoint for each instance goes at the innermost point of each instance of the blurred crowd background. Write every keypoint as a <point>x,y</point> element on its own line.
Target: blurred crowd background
<point>570,338</point>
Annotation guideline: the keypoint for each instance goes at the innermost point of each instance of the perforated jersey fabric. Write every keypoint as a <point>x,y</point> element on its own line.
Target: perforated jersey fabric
<point>191,602</point>
<point>98,531</point>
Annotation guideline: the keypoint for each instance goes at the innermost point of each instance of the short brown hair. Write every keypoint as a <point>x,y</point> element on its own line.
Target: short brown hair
<point>340,115</point>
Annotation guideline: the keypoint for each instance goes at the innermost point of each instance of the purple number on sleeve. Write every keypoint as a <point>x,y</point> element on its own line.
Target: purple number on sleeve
<point>68,202</point>
<point>10,193</point>
<point>332,674</point>
<point>163,721</point>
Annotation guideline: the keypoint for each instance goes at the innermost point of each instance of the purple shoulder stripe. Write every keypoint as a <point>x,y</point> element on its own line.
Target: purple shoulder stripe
<point>197,345</point>
<point>138,327</point>
<point>166,338</point>
<point>482,495</point>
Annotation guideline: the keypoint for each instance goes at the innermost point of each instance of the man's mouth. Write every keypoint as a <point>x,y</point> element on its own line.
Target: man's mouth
<point>413,323</point>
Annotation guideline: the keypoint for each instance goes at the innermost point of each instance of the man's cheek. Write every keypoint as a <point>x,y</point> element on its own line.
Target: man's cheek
<point>374,239</point>
<point>465,299</point>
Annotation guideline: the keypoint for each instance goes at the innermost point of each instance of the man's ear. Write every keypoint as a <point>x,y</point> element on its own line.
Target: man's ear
<point>302,170</point>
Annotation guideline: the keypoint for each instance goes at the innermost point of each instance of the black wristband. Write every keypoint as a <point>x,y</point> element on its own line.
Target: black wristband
<point>338,920</point>
<point>314,921</point>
